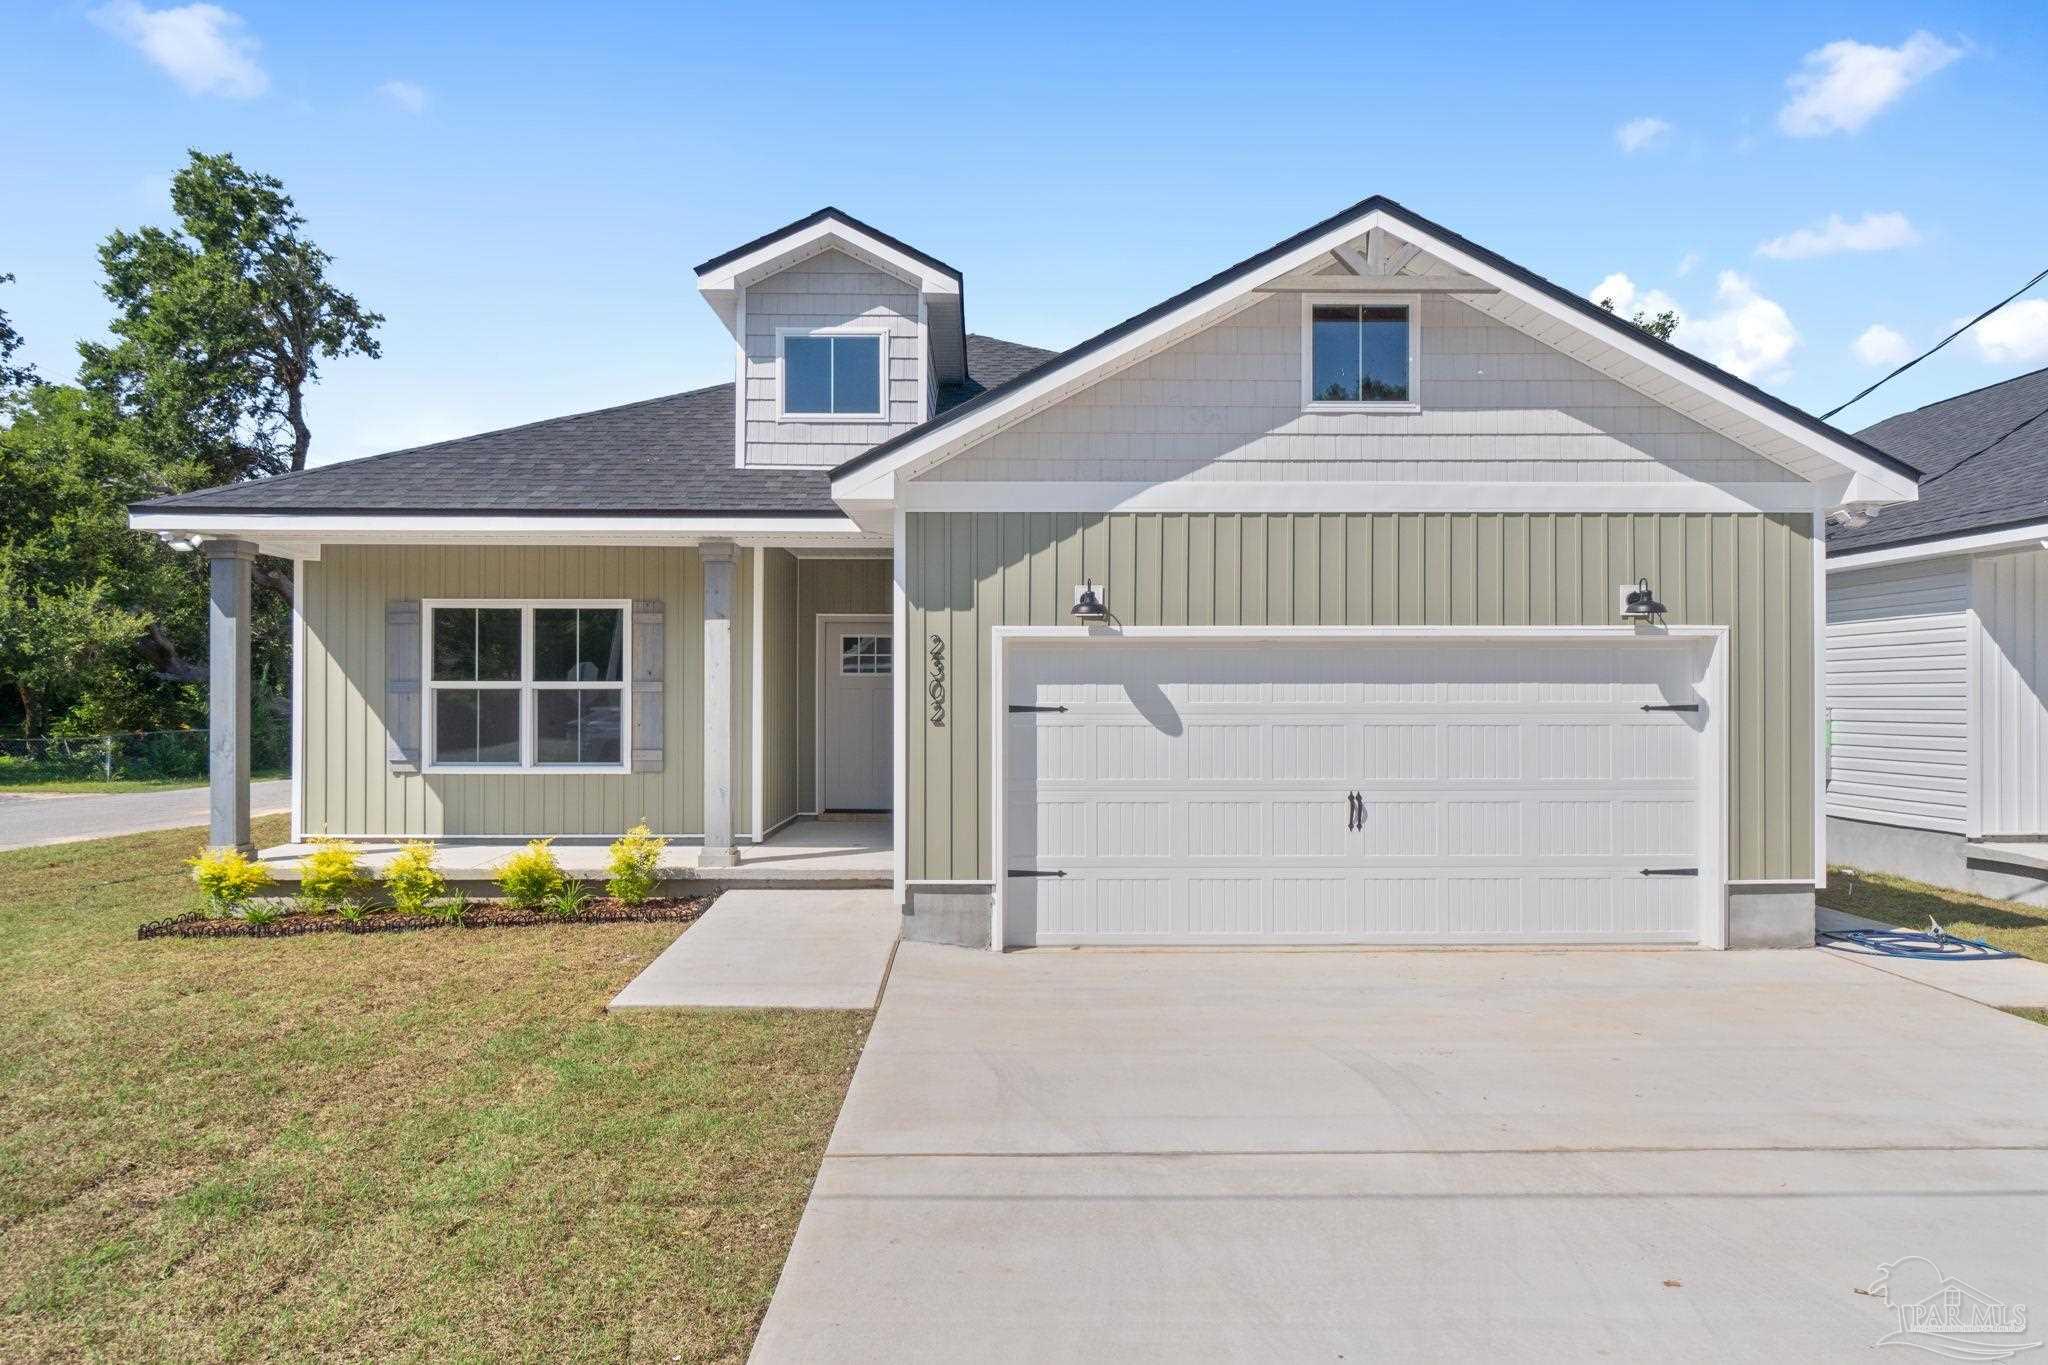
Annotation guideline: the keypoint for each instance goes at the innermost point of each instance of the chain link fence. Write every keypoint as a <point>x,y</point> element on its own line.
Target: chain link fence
<point>141,755</point>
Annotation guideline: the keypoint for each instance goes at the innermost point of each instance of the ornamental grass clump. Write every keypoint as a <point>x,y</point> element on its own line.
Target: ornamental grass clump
<point>635,865</point>
<point>331,875</point>
<point>228,876</point>
<point>412,881</point>
<point>531,877</point>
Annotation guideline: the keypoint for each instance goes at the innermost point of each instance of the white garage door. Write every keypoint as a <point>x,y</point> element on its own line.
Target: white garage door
<point>1176,792</point>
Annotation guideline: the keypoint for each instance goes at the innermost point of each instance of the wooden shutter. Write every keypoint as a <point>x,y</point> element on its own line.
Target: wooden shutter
<point>650,664</point>
<point>402,684</point>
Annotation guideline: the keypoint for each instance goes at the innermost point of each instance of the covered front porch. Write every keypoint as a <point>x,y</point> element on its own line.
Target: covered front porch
<point>732,696</point>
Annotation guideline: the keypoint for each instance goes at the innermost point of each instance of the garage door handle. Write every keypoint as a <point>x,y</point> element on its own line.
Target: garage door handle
<point>1014,710</point>
<point>1033,872</point>
<point>1671,872</point>
<point>1357,812</point>
<point>1672,706</point>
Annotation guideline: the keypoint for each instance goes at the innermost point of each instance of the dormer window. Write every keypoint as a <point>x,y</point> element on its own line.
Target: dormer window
<point>1359,355</point>
<point>836,374</point>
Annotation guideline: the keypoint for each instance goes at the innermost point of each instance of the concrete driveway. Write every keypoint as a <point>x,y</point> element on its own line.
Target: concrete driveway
<point>28,820</point>
<point>1326,1155</point>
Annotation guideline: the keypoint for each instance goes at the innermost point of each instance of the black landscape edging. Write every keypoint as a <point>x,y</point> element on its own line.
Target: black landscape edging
<point>198,925</point>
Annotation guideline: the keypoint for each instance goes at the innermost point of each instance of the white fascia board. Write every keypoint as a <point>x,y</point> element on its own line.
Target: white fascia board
<point>2009,538</point>
<point>1383,496</point>
<point>876,481</point>
<point>773,256</point>
<point>454,529</point>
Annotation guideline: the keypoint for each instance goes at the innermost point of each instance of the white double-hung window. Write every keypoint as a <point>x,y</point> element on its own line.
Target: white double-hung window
<point>527,686</point>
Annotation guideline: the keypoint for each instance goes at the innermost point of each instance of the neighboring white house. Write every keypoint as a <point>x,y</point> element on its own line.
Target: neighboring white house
<point>1938,653</point>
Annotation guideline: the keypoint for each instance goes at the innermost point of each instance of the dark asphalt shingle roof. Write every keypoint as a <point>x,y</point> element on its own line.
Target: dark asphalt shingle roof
<point>1983,462</point>
<point>668,456</point>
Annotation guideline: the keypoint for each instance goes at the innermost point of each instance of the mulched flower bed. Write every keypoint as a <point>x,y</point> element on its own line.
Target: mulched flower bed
<point>480,916</point>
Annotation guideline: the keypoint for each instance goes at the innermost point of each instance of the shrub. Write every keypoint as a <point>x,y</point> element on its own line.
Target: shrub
<point>228,877</point>
<point>412,880</point>
<point>568,903</point>
<point>531,876</point>
<point>331,874</point>
<point>635,865</point>
<point>259,912</point>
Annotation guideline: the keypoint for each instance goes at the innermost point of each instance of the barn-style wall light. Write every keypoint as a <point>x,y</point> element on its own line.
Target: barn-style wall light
<point>1639,603</point>
<point>1088,606</point>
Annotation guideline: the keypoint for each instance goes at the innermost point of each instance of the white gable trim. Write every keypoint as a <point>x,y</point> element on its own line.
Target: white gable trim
<point>875,483</point>
<point>1357,496</point>
<point>830,235</point>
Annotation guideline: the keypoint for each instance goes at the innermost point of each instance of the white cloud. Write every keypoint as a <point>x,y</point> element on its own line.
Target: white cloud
<point>403,96</point>
<point>204,48</point>
<point>1628,300</point>
<point>1872,232</point>
<point>1842,86</point>
<point>1880,345</point>
<point>1687,263</point>
<point>1641,134</point>
<point>2015,334</point>
<point>1747,335</point>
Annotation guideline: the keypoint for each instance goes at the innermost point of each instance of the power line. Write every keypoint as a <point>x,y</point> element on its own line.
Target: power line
<point>1985,448</point>
<point>1937,345</point>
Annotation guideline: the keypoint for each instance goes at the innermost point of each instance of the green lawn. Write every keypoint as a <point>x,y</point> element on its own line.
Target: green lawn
<point>2016,928</point>
<point>426,1146</point>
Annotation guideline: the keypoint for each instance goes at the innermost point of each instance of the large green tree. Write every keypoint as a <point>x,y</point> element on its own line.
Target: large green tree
<point>89,611</point>
<point>221,324</point>
<point>15,379</point>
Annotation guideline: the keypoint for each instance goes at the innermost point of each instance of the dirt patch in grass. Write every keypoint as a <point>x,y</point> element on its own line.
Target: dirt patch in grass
<point>395,1146</point>
<point>197,924</point>
<point>2021,929</point>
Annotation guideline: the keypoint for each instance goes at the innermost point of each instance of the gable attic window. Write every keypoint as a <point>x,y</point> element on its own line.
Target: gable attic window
<point>1359,355</point>
<point>834,374</point>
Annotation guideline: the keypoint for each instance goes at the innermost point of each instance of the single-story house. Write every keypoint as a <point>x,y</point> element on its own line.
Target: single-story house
<point>1937,675</point>
<point>1293,609</point>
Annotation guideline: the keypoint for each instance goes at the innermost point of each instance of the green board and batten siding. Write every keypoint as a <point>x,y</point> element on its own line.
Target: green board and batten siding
<point>967,572</point>
<point>349,788</point>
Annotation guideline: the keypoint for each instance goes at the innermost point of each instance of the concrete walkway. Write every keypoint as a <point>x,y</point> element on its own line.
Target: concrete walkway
<point>29,820</point>
<point>2003,983</point>
<point>1672,1155</point>
<point>799,950</point>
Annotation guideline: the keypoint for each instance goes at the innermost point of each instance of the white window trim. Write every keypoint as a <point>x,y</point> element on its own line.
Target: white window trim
<point>782,336</point>
<point>1412,302</point>
<point>526,686</point>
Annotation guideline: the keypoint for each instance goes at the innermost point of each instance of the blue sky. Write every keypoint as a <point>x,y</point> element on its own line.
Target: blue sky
<point>523,189</point>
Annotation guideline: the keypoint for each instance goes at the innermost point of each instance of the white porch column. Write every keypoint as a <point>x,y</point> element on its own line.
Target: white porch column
<point>721,573</point>
<point>227,693</point>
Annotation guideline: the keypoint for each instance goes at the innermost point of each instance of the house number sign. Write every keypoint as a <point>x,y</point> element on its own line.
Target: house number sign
<point>936,688</point>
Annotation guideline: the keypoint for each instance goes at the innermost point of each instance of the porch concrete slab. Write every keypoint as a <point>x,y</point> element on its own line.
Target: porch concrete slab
<point>1422,1155</point>
<point>820,854</point>
<point>775,949</point>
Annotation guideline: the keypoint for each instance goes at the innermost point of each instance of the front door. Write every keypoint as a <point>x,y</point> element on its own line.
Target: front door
<point>855,663</point>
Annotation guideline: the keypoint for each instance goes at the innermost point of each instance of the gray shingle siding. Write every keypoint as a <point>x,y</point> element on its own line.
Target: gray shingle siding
<point>1983,461</point>
<point>662,456</point>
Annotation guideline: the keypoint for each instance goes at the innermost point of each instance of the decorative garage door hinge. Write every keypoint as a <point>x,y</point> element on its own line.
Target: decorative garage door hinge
<point>1033,872</point>
<point>1672,706</point>
<point>1015,709</point>
<point>1671,872</point>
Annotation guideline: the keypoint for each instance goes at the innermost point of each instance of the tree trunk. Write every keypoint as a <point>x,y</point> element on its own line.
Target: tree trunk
<point>161,650</point>
<point>31,710</point>
<point>302,435</point>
